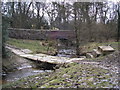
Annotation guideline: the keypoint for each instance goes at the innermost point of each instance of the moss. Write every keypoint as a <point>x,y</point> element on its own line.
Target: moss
<point>55,81</point>
<point>107,76</point>
<point>92,86</point>
<point>103,84</point>
<point>68,85</point>
<point>51,86</point>
<point>73,64</point>
<point>89,83</point>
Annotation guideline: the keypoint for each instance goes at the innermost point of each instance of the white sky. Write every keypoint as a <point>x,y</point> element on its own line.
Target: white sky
<point>48,1</point>
<point>59,0</point>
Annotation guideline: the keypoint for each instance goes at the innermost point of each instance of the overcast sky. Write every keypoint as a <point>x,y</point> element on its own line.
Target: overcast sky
<point>48,1</point>
<point>59,0</point>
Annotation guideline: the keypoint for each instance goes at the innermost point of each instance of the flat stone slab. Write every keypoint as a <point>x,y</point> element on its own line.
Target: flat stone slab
<point>43,57</point>
<point>27,51</point>
<point>106,48</point>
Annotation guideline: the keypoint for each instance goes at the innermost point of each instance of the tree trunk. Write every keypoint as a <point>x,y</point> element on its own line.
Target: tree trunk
<point>118,36</point>
<point>76,32</point>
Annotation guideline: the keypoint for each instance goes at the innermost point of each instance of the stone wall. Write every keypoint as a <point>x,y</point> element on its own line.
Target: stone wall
<point>39,34</point>
<point>26,34</point>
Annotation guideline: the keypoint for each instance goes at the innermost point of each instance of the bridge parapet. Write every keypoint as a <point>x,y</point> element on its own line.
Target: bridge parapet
<point>40,34</point>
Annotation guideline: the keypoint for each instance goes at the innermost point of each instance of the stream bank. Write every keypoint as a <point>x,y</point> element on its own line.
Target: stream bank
<point>15,68</point>
<point>76,75</point>
<point>85,74</point>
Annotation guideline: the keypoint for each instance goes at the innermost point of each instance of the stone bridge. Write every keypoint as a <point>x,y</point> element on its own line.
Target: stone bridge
<point>38,34</point>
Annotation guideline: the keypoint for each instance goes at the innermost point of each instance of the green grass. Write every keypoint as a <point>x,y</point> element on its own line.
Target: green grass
<point>33,45</point>
<point>67,77</point>
<point>84,75</point>
<point>90,46</point>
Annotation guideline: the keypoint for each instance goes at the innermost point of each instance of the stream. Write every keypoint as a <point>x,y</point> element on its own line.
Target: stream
<point>64,51</point>
<point>24,69</point>
<point>27,67</point>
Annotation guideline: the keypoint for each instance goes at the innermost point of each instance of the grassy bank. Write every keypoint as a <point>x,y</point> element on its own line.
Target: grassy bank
<point>73,76</point>
<point>50,46</point>
<point>93,45</point>
<point>34,45</point>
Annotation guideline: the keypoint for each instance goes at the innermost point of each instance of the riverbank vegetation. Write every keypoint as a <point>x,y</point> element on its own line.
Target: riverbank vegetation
<point>94,24</point>
<point>91,21</point>
<point>37,46</point>
<point>47,47</point>
<point>88,47</point>
<point>73,75</point>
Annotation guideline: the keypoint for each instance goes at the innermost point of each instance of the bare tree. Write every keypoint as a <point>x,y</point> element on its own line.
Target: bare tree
<point>118,36</point>
<point>76,29</point>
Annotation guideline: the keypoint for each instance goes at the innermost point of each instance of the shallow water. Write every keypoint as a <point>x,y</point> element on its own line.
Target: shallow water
<point>27,68</point>
<point>66,52</point>
<point>24,69</point>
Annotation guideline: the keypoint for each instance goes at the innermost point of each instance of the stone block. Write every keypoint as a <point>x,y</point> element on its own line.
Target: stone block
<point>96,53</point>
<point>106,49</point>
<point>89,55</point>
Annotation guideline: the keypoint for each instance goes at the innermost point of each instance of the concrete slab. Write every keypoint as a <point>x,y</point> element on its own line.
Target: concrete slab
<point>27,51</point>
<point>43,57</point>
<point>106,49</point>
